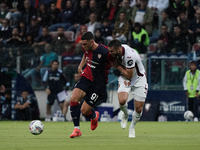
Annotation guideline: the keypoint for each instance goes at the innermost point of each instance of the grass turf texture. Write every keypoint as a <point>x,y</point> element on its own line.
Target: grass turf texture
<point>108,136</point>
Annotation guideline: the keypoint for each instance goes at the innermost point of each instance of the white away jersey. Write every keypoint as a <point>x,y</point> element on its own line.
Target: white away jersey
<point>131,59</point>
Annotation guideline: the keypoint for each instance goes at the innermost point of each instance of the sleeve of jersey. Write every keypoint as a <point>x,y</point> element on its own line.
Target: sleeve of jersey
<point>130,62</point>
<point>45,79</point>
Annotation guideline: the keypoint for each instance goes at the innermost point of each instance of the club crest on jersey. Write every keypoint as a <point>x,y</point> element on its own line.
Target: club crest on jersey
<point>99,56</point>
<point>130,62</point>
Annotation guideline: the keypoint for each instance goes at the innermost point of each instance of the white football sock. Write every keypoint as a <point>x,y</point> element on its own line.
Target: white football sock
<point>124,108</point>
<point>77,127</point>
<point>135,119</point>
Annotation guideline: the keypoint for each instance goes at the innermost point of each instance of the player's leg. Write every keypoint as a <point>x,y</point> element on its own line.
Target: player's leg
<point>50,100</point>
<point>77,96</point>
<point>137,112</point>
<point>65,107</point>
<point>122,97</point>
<point>61,106</point>
<point>139,95</point>
<point>123,93</point>
<point>89,112</point>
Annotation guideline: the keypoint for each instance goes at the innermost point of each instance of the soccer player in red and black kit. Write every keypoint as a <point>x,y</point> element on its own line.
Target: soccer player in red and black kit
<point>91,87</point>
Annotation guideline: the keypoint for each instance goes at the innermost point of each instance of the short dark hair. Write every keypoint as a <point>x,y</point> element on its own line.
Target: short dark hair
<point>163,24</point>
<point>87,36</point>
<point>114,43</point>
<point>55,61</point>
<point>193,62</point>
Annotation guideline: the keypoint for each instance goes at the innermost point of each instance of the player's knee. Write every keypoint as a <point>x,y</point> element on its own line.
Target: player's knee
<point>84,111</point>
<point>138,109</point>
<point>122,101</point>
<point>74,99</point>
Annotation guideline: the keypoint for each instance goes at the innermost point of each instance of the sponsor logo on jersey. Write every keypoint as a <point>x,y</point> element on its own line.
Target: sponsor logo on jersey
<point>130,62</point>
<point>129,57</point>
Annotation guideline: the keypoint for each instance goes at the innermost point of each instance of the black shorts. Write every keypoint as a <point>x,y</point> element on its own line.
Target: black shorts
<point>95,93</point>
<point>51,98</point>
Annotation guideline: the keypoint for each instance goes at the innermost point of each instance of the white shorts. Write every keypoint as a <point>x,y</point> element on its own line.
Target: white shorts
<point>139,90</point>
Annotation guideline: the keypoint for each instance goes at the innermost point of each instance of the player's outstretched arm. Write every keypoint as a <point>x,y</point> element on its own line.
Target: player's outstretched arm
<point>82,63</point>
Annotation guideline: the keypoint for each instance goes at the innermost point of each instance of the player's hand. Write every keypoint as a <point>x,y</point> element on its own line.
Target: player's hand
<point>197,95</point>
<point>3,88</point>
<point>48,91</point>
<point>114,63</point>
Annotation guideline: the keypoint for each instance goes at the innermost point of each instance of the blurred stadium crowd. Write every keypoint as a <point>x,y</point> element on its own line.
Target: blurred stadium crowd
<point>41,30</point>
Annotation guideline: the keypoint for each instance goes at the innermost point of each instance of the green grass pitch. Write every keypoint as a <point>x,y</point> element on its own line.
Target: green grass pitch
<point>108,136</point>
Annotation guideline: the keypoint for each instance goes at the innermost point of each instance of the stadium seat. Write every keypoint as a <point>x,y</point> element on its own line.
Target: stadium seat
<point>69,35</point>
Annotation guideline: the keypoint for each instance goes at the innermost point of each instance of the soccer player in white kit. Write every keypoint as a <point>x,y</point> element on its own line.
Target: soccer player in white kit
<point>133,78</point>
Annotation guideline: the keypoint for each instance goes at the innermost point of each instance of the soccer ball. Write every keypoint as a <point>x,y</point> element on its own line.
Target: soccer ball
<point>188,115</point>
<point>36,127</point>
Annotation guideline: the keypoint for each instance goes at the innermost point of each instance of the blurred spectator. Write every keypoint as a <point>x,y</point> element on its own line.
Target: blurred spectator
<point>106,29</point>
<point>5,102</point>
<point>121,29</point>
<point>46,60</point>
<point>60,41</point>
<point>54,82</point>
<point>28,12</point>
<point>134,3</point>
<point>183,22</point>
<point>53,13</point>
<point>15,40</point>
<point>166,20</point>
<point>76,45</point>
<point>189,9</point>
<point>26,107</point>
<point>112,10</point>
<point>46,2</point>
<point>176,7</point>
<point>160,47</point>
<point>179,41</point>
<point>194,28</point>
<point>66,16</point>
<point>166,38</point>
<point>93,24</point>
<point>139,39</point>
<point>80,14</point>
<point>6,31</point>
<point>196,4</point>
<point>43,15</point>
<point>157,6</point>
<point>22,29</point>
<point>125,8</point>
<point>144,15</point>
<point>9,59</point>
<point>44,38</point>
<point>16,7</point>
<point>34,29</point>
<point>34,62</point>
<point>4,12</point>
<point>98,38</point>
<point>93,9</point>
<point>28,42</point>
